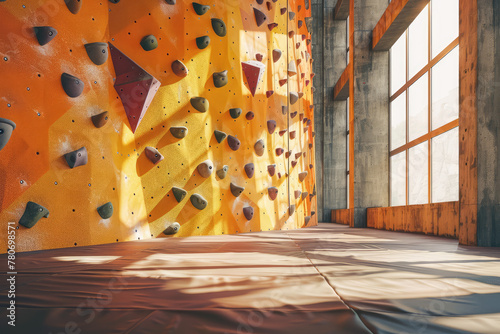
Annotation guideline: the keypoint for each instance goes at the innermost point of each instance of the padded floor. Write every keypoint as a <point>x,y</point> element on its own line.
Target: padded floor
<point>325,279</point>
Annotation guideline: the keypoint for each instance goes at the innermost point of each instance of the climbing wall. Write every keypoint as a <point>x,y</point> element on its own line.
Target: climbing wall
<point>126,120</point>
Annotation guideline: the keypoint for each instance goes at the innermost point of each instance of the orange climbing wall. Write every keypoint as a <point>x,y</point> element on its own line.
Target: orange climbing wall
<point>50,124</point>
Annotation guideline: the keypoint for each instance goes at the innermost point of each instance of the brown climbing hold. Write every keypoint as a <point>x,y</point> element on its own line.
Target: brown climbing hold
<point>179,69</point>
<point>302,176</point>
<point>301,116</point>
<point>276,55</point>
<point>260,2</point>
<point>260,17</point>
<point>313,134</point>
<point>259,147</point>
<point>282,82</point>
<point>299,7</point>
<point>219,27</point>
<point>236,190</point>
<point>294,97</point>
<point>200,103</point>
<point>271,169</point>
<point>219,136</point>
<point>304,195</point>
<point>310,145</point>
<point>153,154</point>
<point>298,63</point>
<point>198,201</point>
<point>253,71</point>
<point>279,151</point>
<point>307,219</point>
<point>283,10</point>
<point>298,155</point>
<point>179,194</point>
<point>233,143</point>
<point>269,5</point>
<point>32,214</point>
<point>299,24</point>
<point>307,82</point>
<point>249,169</point>
<point>293,114</point>
<point>297,193</point>
<point>205,168</point>
<point>304,154</point>
<point>74,6</point>
<point>279,175</point>
<point>306,129</point>
<point>250,115</point>
<point>71,85</point>
<point>292,134</point>
<point>282,132</point>
<point>220,79</point>
<point>313,213</point>
<point>248,212</point>
<point>294,163</point>
<point>202,42</point>
<point>271,26</point>
<point>45,34</point>
<point>287,154</point>
<point>269,93</point>
<point>302,75</point>
<point>291,210</point>
<point>292,69</point>
<point>271,126</point>
<point>300,94</point>
<point>76,158</point>
<point>97,52</point>
<point>259,56</point>
<point>6,128</point>
<point>273,193</point>
<point>221,173</point>
<point>100,120</point>
<point>179,132</point>
<point>172,229</point>
<point>291,33</point>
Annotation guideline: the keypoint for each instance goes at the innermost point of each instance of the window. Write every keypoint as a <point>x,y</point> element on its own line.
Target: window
<point>424,108</point>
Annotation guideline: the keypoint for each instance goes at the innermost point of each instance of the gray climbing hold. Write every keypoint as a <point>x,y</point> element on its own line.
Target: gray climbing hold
<point>198,201</point>
<point>219,136</point>
<point>179,193</point>
<point>100,120</point>
<point>271,126</point>
<point>200,103</point>
<point>313,213</point>
<point>220,79</point>
<point>284,110</point>
<point>114,1</point>
<point>291,209</point>
<point>273,193</point>
<point>45,34</point>
<point>260,17</point>
<point>236,190</point>
<point>153,154</point>
<point>249,170</point>
<point>179,132</point>
<point>221,173</point>
<point>32,214</point>
<point>200,9</point>
<point>205,168</point>
<point>97,52</point>
<point>106,210</point>
<point>307,219</point>
<point>276,55</point>
<point>271,169</point>
<point>170,2</point>
<point>172,229</point>
<point>71,85</point>
<point>219,27</point>
<point>149,43</point>
<point>179,69</point>
<point>6,128</point>
<point>260,2</point>
<point>233,143</point>
<point>248,212</point>
<point>302,176</point>
<point>294,97</point>
<point>202,42</point>
<point>76,158</point>
<point>235,112</point>
<point>259,147</point>
<point>291,15</point>
<point>74,6</point>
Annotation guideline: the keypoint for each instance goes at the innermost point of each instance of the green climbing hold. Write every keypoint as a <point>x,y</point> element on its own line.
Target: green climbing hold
<point>220,79</point>
<point>200,104</point>
<point>235,112</point>
<point>172,229</point>
<point>219,136</point>
<point>106,210</point>
<point>200,9</point>
<point>202,42</point>
<point>32,214</point>
<point>221,173</point>
<point>198,201</point>
<point>219,27</point>
<point>97,52</point>
<point>179,132</point>
<point>149,43</point>
<point>179,193</point>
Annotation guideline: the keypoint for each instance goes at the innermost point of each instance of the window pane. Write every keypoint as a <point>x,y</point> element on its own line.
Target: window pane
<point>418,174</point>
<point>444,24</point>
<point>398,64</point>
<point>398,121</point>
<point>418,43</point>
<point>398,179</point>
<point>418,111</point>
<point>445,167</point>
<point>445,90</point>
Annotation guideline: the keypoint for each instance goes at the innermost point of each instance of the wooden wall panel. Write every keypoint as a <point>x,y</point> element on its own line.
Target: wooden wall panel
<point>341,216</point>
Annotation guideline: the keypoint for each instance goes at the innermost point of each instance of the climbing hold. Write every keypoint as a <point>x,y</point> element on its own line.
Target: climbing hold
<point>282,82</point>
<point>297,193</point>
<point>260,2</point>
<point>271,26</point>
<point>291,210</point>
<point>248,212</point>
<point>302,176</point>
<point>294,97</point>
<point>76,158</point>
<point>306,129</point>
<point>279,151</point>
<point>271,169</point>
<point>300,94</point>
<point>301,116</point>
<point>292,69</point>
<point>271,126</point>
<point>292,134</point>
<point>100,120</point>
<point>279,175</point>
<point>297,155</point>
<point>153,154</point>
<point>233,143</point>
<point>219,136</point>
<point>299,24</point>
<point>72,85</point>
<point>134,85</point>
<point>74,6</point>
<point>291,33</point>
<point>219,27</point>
<point>313,213</point>
<point>282,132</point>
<point>45,34</point>
<point>298,63</point>
<point>307,82</point>
<point>313,134</point>
<point>170,2</point>
<point>97,52</point>
<point>221,173</point>
<point>235,112</point>
<point>220,79</point>
<point>179,132</point>
<point>205,169</point>
<point>259,147</point>
<point>198,201</point>
<point>269,5</point>
<point>236,190</point>
<point>200,9</point>
<point>114,1</point>
<point>249,170</point>
<point>302,75</point>
<point>283,10</point>
<point>253,71</point>
<point>259,56</point>
<point>260,17</point>
<point>299,7</point>
<point>179,194</point>
<point>269,93</point>
<point>310,145</point>
<point>250,115</point>
<point>172,229</point>
<point>294,163</point>
<point>105,210</point>
<point>293,114</point>
<point>149,43</point>
<point>6,128</point>
<point>179,69</point>
<point>307,219</point>
<point>272,192</point>
<point>200,103</point>
<point>304,195</point>
<point>202,42</point>
<point>276,55</point>
<point>32,214</point>
<point>284,110</point>
<point>291,15</point>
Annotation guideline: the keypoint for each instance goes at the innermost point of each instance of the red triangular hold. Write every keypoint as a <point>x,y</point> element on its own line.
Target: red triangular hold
<point>253,71</point>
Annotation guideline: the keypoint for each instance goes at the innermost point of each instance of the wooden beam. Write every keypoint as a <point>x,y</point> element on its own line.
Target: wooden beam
<point>396,19</point>
<point>341,11</point>
<point>341,89</point>
<point>342,216</point>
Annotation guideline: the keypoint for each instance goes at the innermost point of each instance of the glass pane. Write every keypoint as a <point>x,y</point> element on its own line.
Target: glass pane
<point>445,90</point>
<point>418,43</point>
<point>398,64</point>
<point>418,174</point>
<point>398,179</point>
<point>398,121</point>
<point>444,24</point>
<point>445,167</point>
<point>418,111</point>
